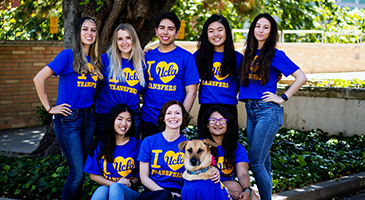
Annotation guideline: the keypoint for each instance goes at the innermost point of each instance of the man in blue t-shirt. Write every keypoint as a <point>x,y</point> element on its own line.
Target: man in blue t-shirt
<point>172,74</point>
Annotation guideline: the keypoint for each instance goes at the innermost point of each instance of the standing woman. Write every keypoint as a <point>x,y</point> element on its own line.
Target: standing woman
<point>112,161</point>
<point>259,73</point>
<point>78,69</point>
<point>217,63</point>
<point>124,76</point>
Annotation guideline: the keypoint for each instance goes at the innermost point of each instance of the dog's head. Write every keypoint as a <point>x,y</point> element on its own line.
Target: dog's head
<point>197,153</point>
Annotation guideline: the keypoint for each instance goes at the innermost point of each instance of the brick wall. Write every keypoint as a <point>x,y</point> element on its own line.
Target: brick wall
<point>20,62</point>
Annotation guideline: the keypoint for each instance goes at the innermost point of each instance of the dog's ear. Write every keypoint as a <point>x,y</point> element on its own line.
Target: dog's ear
<point>183,144</point>
<point>209,143</point>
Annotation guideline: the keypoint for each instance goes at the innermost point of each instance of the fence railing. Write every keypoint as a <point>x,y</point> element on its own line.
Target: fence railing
<point>324,35</point>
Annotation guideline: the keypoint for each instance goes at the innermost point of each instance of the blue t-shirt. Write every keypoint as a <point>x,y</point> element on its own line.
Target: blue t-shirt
<point>168,75</point>
<point>204,189</point>
<point>125,162</point>
<point>240,156</point>
<point>77,90</point>
<point>117,92</point>
<point>166,162</point>
<point>219,90</point>
<point>279,64</point>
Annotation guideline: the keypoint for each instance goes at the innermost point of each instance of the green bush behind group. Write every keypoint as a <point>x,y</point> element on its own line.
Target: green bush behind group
<point>299,158</point>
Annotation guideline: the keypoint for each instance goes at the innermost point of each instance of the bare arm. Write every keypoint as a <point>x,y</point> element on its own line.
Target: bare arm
<point>300,79</point>
<point>190,91</point>
<point>101,180</point>
<point>40,85</point>
<point>144,168</point>
<point>243,178</point>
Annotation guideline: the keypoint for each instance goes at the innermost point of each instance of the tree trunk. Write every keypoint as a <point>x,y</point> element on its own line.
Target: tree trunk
<point>141,14</point>
<point>49,144</point>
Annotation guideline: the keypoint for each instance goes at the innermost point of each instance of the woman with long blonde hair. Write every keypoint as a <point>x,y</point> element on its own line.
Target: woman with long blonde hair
<point>124,76</point>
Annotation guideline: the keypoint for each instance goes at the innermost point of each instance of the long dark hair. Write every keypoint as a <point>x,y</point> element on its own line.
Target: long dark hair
<point>107,140</point>
<point>261,65</point>
<point>230,138</point>
<point>161,117</point>
<point>204,56</point>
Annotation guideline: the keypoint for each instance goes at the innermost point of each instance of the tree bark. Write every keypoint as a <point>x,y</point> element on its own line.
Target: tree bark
<point>141,14</point>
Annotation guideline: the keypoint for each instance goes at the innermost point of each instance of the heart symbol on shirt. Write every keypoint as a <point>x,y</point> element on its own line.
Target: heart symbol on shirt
<point>222,167</point>
<point>94,75</point>
<point>166,72</point>
<point>174,160</point>
<point>131,76</point>
<point>123,166</point>
<point>217,71</point>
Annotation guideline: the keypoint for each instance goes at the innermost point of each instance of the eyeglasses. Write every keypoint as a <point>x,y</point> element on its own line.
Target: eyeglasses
<point>213,120</point>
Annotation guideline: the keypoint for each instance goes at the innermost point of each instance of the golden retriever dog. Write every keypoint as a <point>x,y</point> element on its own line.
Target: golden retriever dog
<point>197,162</point>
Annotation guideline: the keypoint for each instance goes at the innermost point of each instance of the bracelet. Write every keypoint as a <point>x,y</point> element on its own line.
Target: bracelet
<point>132,184</point>
<point>283,96</point>
<point>247,189</point>
<point>50,109</point>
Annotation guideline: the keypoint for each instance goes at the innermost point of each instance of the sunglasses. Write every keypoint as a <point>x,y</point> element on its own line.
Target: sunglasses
<point>213,120</point>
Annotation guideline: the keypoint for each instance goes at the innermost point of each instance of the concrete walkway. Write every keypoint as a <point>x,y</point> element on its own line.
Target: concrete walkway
<point>17,142</point>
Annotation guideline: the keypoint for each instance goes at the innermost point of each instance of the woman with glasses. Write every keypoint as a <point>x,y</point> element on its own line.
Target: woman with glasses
<point>220,126</point>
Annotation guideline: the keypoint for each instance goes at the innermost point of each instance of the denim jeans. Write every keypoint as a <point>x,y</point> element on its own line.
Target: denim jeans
<point>115,191</point>
<point>75,134</point>
<point>100,120</point>
<point>263,122</point>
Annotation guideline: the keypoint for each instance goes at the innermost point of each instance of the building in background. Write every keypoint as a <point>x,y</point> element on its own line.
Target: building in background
<point>351,3</point>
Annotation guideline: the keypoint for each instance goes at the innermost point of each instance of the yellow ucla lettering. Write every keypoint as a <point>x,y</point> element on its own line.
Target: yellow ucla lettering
<point>164,71</point>
<point>156,152</point>
<point>149,63</point>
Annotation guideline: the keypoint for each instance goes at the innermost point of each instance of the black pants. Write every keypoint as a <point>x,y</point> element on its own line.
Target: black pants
<point>149,129</point>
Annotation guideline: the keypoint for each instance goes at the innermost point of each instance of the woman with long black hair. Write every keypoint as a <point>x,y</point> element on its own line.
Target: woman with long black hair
<point>258,74</point>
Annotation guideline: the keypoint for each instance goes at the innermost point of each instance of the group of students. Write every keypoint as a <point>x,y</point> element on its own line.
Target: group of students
<point>108,139</point>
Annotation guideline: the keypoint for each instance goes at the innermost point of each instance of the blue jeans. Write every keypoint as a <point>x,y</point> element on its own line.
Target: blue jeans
<point>75,135</point>
<point>100,120</point>
<point>263,122</point>
<point>115,191</point>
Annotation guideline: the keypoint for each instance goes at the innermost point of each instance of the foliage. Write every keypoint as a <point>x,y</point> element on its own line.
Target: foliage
<point>298,158</point>
<point>43,115</point>
<point>353,83</point>
<point>196,12</point>
<point>30,20</point>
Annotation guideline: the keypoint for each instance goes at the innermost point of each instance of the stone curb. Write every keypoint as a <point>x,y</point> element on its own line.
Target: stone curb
<point>325,190</point>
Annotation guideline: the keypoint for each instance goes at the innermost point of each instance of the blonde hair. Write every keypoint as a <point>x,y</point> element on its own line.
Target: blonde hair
<point>137,55</point>
<point>80,63</point>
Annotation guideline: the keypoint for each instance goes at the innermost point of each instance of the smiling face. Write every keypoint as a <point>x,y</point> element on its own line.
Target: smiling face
<point>124,43</point>
<point>122,123</point>
<point>262,30</point>
<point>166,32</point>
<point>217,129</point>
<point>173,117</point>
<point>217,35</point>
<point>88,33</point>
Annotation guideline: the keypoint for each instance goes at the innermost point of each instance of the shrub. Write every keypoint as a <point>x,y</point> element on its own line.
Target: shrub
<point>298,158</point>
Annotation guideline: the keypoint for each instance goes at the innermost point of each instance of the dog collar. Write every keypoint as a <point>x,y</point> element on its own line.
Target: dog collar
<point>199,171</point>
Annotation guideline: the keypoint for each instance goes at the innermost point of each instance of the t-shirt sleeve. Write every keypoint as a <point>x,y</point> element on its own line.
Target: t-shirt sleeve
<point>191,74</point>
<point>145,152</point>
<point>92,165</point>
<point>282,63</point>
<point>60,62</point>
<point>241,154</point>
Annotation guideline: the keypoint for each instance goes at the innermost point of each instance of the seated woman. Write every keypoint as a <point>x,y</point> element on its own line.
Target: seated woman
<point>161,163</point>
<point>112,161</point>
<point>220,126</point>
